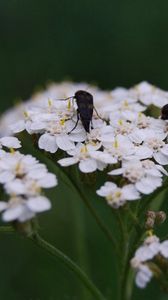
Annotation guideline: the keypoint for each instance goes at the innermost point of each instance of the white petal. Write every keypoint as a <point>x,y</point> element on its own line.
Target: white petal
<point>15,187</point>
<point>146,252</point>
<point>164,249</point>
<point>64,142</point>
<point>48,143</point>
<point>37,126</point>
<point>164,150</point>
<point>3,205</point>
<point>143,152</point>
<point>154,172</point>
<point>130,192</point>
<point>116,171</point>
<point>38,204</point>
<point>48,181</point>
<point>88,165</point>
<point>13,213</point>
<point>103,157</point>
<point>18,126</point>
<point>78,137</point>
<point>6,176</point>
<point>27,214</point>
<point>10,142</point>
<point>101,165</point>
<point>37,173</point>
<point>106,189</point>
<point>161,169</point>
<point>136,136</point>
<point>161,158</point>
<point>148,185</point>
<point>65,162</point>
<point>143,277</point>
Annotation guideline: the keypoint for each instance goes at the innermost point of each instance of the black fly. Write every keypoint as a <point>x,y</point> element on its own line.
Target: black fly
<point>85,107</point>
<point>84,102</point>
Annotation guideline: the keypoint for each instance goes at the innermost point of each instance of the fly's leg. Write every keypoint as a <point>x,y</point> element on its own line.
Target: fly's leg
<point>98,114</point>
<point>78,117</point>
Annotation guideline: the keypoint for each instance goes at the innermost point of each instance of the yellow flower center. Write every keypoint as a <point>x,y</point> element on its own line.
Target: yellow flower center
<point>62,122</point>
<point>69,104</point>
<point>84,149</point>
<point>12,151</point>
<point>25,113</point>
<point>49,102</point>
<point>120,122</point>
<point>115,143</point>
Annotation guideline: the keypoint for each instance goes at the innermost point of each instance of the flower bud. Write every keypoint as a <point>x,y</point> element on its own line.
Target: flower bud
<point>160,217</point>
<point>149,223</point>
<point>150,214</point>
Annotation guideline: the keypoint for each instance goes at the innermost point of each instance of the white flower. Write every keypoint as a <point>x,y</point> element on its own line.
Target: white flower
<point>143,276</point>
<point>120,148</point>
<point>146,175</point>
<point>117,196</point>
<point>158,147</point>
<point>27,186</point>
<point>23,179</point>
<point>149,94</point>
<point>15,164</point>
<point>148,250</point>
<point>23,174</point>
<point>145,254</point>
<point>84,154</point>
<point>21,209</point>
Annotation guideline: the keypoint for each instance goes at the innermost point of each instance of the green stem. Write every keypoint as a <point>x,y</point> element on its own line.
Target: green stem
<point>135,222</point>
<point>81,245</point>
<point>69,264</point>
<point>124,269</point>
<point>129,283</point>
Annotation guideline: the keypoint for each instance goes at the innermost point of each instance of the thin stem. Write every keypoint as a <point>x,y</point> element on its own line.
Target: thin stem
<point>81,242</point>
<point>128,282</point>
<point>69,264</point>
<point>123,250</point>
<point>135,221</point>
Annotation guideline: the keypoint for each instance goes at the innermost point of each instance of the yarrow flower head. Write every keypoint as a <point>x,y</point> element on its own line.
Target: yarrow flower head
<point>124,139</point>
<point>146,260</point>
<point>23,179</point>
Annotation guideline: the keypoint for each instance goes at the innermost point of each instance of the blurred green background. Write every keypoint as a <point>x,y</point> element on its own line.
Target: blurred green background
<point>111,43</point>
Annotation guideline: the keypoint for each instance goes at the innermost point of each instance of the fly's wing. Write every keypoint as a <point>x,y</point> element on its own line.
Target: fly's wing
<point>85,109</point>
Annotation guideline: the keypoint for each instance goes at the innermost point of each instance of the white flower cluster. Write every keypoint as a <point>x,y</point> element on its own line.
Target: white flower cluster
<point>144,255</point>
<point>22,178</point>
<point>132,144</point>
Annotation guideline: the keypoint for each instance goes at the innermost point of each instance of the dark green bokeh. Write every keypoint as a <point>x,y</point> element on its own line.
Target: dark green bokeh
<point>107,42</point>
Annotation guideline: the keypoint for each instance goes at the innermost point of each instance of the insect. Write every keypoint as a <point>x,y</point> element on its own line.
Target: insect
<point>164,112</point>
<point>85,107</point>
